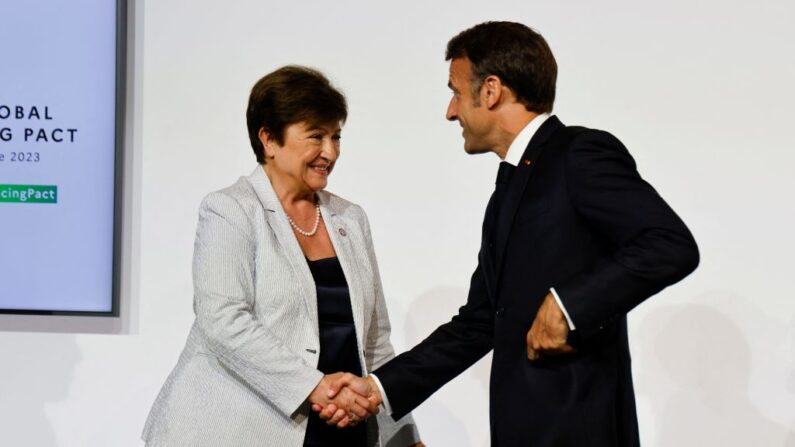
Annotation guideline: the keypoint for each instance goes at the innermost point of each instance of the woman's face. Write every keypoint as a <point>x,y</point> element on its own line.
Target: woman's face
<point>307,156</point>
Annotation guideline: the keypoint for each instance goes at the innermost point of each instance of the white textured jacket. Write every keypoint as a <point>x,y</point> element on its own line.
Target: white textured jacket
<point>251,356</point>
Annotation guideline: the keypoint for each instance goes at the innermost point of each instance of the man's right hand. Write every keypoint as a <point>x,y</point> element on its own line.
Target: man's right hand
<point>344,399</point>
<point>346,384</point>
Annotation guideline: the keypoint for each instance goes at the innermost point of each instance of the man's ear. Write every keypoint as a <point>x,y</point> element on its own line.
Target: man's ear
<point>492,91</point>
<point>268,142</point>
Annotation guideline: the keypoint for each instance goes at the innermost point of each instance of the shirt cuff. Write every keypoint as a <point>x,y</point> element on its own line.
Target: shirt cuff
<point>384,399</point>
<point>562,308</point>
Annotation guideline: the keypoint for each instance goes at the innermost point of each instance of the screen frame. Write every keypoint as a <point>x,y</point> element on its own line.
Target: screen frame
<point>118,183</point>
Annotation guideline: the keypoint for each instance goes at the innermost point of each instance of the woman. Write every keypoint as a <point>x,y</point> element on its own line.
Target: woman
<point>286,291</point>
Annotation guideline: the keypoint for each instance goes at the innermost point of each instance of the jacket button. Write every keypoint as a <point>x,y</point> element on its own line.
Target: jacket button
<point>342,232</point>
<point>499,312</point>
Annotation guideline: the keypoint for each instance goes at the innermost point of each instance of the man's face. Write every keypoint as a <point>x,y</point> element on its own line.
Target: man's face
<point>467,109</point>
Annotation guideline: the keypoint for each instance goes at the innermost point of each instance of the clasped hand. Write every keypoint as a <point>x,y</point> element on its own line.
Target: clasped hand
<point>549,332</point>
<point>344,399</point>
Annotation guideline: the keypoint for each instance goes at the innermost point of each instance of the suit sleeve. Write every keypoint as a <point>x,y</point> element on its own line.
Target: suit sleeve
<point>410,378</point>
<point>651,247</point>
<point>223,276</point>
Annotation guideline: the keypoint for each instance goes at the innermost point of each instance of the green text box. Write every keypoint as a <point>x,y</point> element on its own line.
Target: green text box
<point>28,193</point>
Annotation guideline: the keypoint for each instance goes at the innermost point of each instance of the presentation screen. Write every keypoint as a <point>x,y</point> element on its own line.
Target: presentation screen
<point>61,89</point>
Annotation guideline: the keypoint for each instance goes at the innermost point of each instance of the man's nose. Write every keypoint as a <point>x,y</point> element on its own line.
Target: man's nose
<point>452,113</point>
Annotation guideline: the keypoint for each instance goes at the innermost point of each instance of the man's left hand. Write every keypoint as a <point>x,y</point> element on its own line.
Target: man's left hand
<point>549,331</point>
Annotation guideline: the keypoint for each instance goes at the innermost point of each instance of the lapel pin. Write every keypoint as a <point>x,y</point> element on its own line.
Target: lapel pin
<point>342,232</point>
<point>528,162</point>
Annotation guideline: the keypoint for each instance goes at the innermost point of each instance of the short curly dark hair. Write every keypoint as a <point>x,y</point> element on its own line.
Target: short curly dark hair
<point>516,54</point>
<point>289,95</point>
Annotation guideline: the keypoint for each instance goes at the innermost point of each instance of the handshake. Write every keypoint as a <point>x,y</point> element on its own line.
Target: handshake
<point>344,399</point>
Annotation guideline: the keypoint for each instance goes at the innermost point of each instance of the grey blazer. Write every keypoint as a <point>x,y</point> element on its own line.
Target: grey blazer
<point>251,356</point>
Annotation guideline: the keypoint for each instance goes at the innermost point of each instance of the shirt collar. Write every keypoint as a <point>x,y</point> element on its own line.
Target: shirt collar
<point>517,147</point>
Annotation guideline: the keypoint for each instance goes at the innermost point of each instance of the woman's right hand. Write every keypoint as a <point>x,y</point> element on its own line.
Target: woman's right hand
<point>347,407</point>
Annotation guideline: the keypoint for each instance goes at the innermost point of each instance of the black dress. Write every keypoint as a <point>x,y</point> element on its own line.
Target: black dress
<point>338,349</point>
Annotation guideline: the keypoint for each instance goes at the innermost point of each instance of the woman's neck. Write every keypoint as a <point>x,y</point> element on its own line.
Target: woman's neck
<point>290,194</point>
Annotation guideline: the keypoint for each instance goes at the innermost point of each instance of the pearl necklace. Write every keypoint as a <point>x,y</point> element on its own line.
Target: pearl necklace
<point>314,227</point>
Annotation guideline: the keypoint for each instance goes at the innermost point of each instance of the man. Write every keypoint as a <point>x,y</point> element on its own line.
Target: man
<point>573,239</point>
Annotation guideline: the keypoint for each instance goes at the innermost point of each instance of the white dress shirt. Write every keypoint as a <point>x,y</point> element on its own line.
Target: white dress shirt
<point>513,156</point>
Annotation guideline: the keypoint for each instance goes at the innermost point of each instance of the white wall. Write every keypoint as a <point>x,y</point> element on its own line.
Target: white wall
<point>700,92</point>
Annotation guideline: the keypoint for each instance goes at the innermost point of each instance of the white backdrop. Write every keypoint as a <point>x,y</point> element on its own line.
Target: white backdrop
<point>700,92</point>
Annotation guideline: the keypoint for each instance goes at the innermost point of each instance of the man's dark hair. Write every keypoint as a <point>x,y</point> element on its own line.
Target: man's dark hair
<point>290,95</point>
<point>516,54</point>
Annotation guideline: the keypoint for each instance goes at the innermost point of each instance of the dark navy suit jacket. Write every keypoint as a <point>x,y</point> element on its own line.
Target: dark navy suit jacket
<point>578,217</point>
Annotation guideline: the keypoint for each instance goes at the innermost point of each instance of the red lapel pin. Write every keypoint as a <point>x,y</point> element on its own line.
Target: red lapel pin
<point>528,162</point>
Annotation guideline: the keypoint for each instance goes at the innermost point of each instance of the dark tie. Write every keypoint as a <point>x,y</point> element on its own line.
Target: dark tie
<point>493,209</point>
<point>503,177</point>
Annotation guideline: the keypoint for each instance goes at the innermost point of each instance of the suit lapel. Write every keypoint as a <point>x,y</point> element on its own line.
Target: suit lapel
<point>518,183</point>
<point>277,221</point>
<point>340,230</point>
